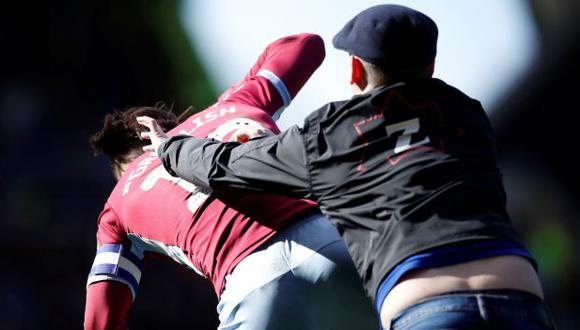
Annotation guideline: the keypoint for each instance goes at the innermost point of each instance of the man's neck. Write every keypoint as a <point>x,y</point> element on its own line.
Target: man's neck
<point>370,88</point>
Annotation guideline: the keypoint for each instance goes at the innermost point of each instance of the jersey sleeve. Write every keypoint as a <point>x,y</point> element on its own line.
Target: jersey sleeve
<point>278,74</point>
<point>109,228</point>
<point>114,276</point>
<point>107,305</point>
<point>269,164</point>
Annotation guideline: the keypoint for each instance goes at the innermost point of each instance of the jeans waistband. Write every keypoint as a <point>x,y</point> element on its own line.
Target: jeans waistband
<point>499,293</point>
<point>510,301</point>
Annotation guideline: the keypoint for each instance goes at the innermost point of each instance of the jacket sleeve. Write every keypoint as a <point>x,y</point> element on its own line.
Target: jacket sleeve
<point>273,164</point>
<point>107,305</point>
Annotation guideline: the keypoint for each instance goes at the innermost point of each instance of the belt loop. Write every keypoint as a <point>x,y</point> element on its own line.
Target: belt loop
<point>482,308</point>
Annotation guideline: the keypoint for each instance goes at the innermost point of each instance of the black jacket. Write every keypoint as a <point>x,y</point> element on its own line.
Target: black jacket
<point>398,170</point>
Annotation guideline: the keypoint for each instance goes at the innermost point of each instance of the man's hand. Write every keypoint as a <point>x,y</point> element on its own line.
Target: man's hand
<point>155,134</point>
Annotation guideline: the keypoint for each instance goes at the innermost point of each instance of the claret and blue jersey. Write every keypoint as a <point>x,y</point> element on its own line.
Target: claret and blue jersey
<point>149,211</point>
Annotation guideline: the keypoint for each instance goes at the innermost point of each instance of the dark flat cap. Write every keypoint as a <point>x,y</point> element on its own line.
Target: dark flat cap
<point>391,36</point>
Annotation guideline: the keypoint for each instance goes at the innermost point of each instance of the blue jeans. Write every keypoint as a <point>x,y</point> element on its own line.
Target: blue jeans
<point>485,309</point>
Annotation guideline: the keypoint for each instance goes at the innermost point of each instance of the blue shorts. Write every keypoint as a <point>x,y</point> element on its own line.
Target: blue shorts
<point>302,278</point>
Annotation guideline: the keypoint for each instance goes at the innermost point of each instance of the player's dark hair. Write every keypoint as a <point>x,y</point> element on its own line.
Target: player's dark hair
<point>119,139</point>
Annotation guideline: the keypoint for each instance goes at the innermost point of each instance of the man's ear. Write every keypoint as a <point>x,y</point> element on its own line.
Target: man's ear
<point>357,75</point>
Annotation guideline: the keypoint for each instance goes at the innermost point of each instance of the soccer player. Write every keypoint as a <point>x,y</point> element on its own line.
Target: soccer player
<point>406,170</point>
<point>274,262</point>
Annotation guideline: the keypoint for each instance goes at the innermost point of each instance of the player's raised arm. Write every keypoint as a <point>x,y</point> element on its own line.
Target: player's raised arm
<point>279,73</point>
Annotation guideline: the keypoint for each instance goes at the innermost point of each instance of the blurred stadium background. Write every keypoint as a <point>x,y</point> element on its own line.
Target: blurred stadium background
<point>64,64</point>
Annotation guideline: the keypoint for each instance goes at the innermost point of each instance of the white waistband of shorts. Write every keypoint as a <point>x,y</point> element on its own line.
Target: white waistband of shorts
<point>282,253</point>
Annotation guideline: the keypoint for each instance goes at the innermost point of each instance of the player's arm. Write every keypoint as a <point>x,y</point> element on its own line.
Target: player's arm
<point>114,276</point>
<point>279,73</point>
<point>111,287</point>
<point>274,164</point>
<point>107,305</point>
